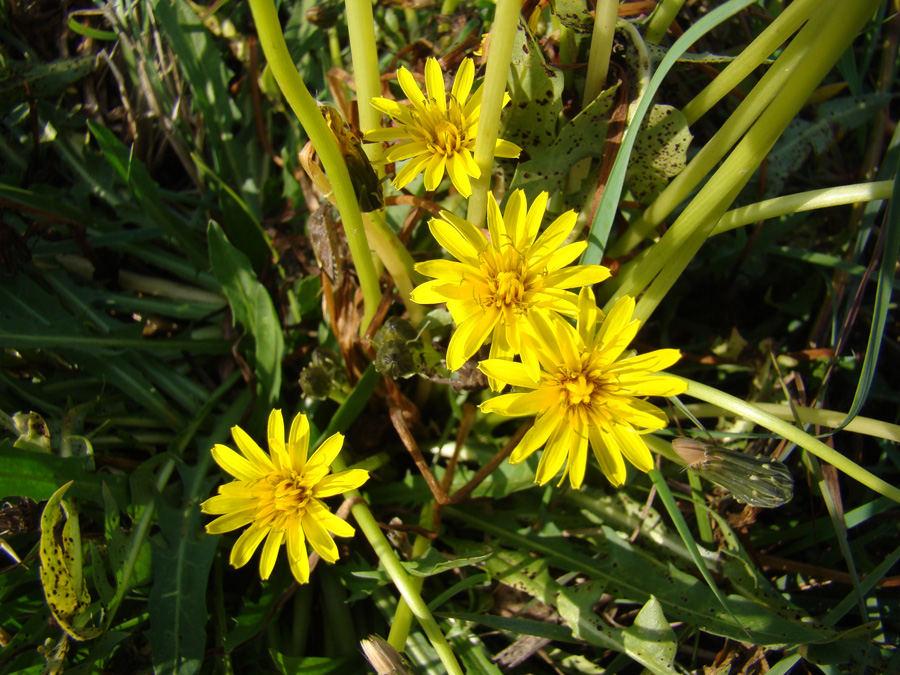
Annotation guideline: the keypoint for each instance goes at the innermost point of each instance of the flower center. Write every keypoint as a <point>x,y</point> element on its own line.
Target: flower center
<point>506,283</point>
<point>283,500</point>
<point>578,390</point>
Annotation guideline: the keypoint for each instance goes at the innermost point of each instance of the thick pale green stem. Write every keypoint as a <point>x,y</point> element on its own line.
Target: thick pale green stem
<point>677,248</point>
<point>397,260</point>
<point>605,17</point>
<point>793,434</point>
<point>503,34</point>
<point>661,20</point>
<point>725,138</point>
<point>817,416</point>
<point>796,14</point>
<point>601,48</point>
<point>307,111</point>
<point>403,616</point>
<point>404,583</point>
<point>803,201</point>
<point>774,208</point>
<point>361,27</point>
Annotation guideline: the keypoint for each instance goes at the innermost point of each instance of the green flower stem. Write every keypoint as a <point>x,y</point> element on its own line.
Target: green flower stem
<point>661,20</point>
<point>678,247</point>
<point>605,16</point>
<point>404,583</point>
<point>709,156</point>
<point>403,616</point>
<point>361,27</point>
<point>817,416</point>
<point>448,7</point>
<point>397,260</point>
<point>803,201</point>
<point>601,48</point>
<point>755,414</point>
<point>503,34</point>
<point>774,208</point>
<point>304,106</point>
<point>785,25</point>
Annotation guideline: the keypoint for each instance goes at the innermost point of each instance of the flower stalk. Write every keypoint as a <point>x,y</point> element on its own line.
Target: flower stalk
<point>503,34</point>
<point>304,106</point>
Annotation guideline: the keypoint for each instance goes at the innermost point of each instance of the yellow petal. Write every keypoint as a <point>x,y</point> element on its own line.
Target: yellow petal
<point>325,454</point>
<point>469,336</point>
<point>410,170</point>
<point>270,553</point>
<point>406,150</point>
<point>334,524</point>
<point>496,227</point>
<point>225,504</point>
<point>535,437</point>
<point>633,447</point>
<point>577,276</point>
<point>252,451</point>
<point>410,88</point>
<point>650,362</point>
<point>508,372</point>
<point>462,83</point>
<point>554,235</point>
<point>456,169</point>
<point>506,149</point>
<point>319,539</point>
<point>246,545</point>
<point>555,452</point>
<point>231,521</point>
<point>445,270</point>
<point>514,219</point>
<point>428,293</point>
<point>609,458</point>
<point>386,134</point>
<point>652,385</point>
<point>472,234</point>
<point>577,463</point>
<point>276,426</point>
<point>434,172</point>
<point>298,442</point>
<point>519,405</point>
<point>339,483</point>
<point>434,83</point>
<point>459,243</point>
<point>535,217</point>
<point>239,467</point>
<point>297,555</point>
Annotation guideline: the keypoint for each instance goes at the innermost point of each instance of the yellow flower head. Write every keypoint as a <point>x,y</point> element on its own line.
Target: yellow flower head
<point>278,495</point>
<point>586,392</point>
<point>436,132</point>
<point>498,286</point>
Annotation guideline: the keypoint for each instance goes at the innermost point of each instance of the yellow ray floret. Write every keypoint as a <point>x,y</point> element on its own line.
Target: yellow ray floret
<point>436,133</point>
<point>588,392</point>
<point>497,286</point>
<point>278,496</point>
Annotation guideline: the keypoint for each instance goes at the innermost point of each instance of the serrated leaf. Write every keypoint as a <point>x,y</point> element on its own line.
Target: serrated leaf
<point>583,137</point>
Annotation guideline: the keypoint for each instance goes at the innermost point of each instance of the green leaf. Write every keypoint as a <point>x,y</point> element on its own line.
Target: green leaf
<point>182,558</point>
<point>584,137</point>
<point>660,152</point>
<point>146,192</point>
<point>252,307</point>
<point>317,665</point>
<point>434,562</point>
<point>651,638</point>
<point>21,80</point>
<point>38,475</point>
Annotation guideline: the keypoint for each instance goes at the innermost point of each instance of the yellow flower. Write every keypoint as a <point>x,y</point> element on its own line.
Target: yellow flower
<point>498,286</point>
<point>436,132</point>
<point>586,393</point>
<point>278,495</point>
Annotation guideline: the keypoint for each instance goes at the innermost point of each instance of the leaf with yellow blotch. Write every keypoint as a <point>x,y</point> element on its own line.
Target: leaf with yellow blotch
<point>61,567</point>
